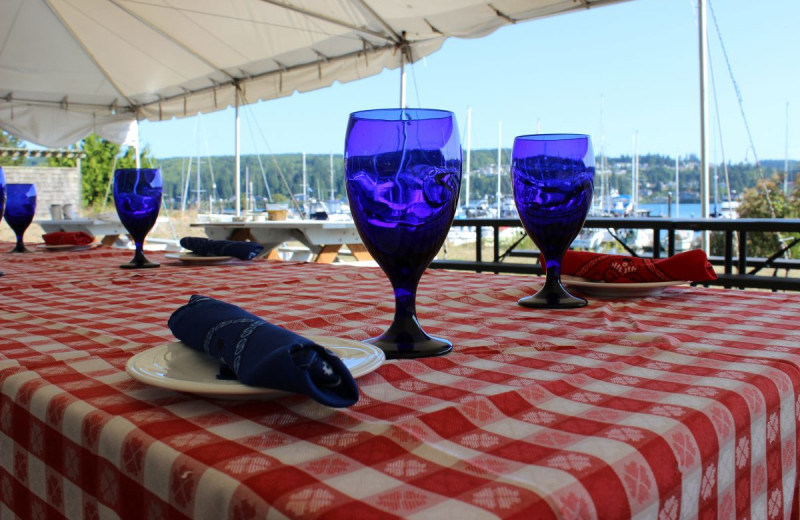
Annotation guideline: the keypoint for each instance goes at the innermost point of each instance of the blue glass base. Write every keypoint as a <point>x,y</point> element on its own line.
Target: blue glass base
<point>140,262</point>
<point>552,296</point>
<point>20,248</point>
<point>144,265</point>
<point>405,339</point>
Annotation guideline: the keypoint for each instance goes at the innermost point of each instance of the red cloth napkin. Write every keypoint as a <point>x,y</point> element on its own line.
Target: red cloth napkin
<point>64,238</point>
<point>692,266</point>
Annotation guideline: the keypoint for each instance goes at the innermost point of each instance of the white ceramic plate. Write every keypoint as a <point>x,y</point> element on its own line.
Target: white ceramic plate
<point>617,290</point>
<point>68,247</point>
<point>175,366</point>
<point>197,259</point>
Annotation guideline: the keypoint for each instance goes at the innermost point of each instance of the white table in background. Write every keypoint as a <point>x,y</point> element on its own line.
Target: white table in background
<point>109,231</point>
<point>323,237</point>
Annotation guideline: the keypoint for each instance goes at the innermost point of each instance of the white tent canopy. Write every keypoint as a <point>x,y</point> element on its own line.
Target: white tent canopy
<point>72,67</point>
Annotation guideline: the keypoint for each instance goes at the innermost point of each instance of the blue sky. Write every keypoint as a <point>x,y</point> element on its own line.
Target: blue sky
<point>612,72</point>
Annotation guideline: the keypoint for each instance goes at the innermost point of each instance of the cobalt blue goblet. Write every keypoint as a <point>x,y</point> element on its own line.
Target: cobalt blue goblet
<point>137,196</point>
<point>20,208</point>
<point>553,178</point>
<point>403,176</point>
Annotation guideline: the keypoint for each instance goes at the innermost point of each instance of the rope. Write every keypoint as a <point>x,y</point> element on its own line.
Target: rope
<point>741,109</point>
<point>275,162</point>
<point>781,239</point>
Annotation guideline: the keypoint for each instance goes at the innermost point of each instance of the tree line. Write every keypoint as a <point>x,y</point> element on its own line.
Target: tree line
<point>277,178</point>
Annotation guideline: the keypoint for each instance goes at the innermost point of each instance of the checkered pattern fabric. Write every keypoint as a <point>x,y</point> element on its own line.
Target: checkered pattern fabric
<point>681,405</point>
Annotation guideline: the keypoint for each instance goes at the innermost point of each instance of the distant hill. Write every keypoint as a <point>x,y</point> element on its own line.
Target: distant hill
<point>276,176</point>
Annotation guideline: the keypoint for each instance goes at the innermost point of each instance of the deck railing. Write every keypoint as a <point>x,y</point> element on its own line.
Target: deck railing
<point>736,268</point>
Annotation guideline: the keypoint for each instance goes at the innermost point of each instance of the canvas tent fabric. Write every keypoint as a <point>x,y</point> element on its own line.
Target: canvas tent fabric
<point>72,67</point>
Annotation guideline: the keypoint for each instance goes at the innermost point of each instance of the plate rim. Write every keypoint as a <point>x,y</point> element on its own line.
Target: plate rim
<point>583,282</point>
<point>69,247</point>
<point>235,388</point>
<point>193,258</point>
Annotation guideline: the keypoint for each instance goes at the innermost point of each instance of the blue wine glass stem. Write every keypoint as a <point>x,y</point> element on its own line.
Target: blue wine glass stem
<point>553,274</point>
<point>405,303</point>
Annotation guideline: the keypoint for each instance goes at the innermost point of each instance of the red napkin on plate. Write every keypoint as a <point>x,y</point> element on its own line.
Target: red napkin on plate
<point>67,238</point>
<point>692,266</point>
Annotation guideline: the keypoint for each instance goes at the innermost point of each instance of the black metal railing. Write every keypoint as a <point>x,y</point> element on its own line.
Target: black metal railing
<point>736,268</point>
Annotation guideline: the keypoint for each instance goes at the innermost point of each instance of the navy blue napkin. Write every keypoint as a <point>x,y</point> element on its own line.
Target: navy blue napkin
<point>259,353</point>
<point>235,248</point>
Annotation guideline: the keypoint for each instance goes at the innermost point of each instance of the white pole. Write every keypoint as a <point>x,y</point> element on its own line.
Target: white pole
<point>704,170</point>
<point>786,157</point>
<point>198,179</point>
<point>237,164</point>
<point>633,174</point>
<point>186,187</point>
<point>402,79</point>
<point>333,191</point>
<point>499,159</point>
<point>136,146</point>
<point>247,190</point>
<point>603,173</point>
<point>469,147</point>
<point>677,187</point>
<point>305,189</point>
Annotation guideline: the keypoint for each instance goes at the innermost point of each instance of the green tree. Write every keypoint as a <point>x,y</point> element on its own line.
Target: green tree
<point>96,169</point>
<point>767,200</point>
<point>9,141</point>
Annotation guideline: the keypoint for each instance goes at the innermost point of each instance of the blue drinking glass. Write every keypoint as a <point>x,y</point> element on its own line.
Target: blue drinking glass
<point>403,176</point>
<point>553,178</point>
<point>20,208</point>
<point>137,196</point>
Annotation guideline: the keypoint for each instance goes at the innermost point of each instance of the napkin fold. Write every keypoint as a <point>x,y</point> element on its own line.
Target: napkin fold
<point>235,248</point>
<point>259,353</point>
<point>692,266</point>
<point>67,238</point>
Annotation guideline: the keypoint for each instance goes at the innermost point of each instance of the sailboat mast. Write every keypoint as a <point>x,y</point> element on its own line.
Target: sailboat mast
<point>186,186</point>
<point>469,149</point>
<point>635,173</point>
<point>499,159</point>
<point>786,157</point>
<point>677,186</point>
<point>247,190</point>
<point>603,195</point>
<point>198,181</point>
<point>333,191</point>
<point>305,189</point>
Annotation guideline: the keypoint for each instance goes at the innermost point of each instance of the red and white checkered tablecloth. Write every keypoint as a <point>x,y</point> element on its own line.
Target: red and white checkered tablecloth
<point>682,405</point>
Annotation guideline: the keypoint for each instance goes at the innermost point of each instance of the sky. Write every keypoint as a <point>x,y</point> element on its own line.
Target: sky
<point>627,74</point>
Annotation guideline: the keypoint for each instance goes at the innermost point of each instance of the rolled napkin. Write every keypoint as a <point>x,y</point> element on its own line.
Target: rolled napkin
<point>691,266</point>
<point>258,353</point>
<point>235,248</point>
<point>67,238</point>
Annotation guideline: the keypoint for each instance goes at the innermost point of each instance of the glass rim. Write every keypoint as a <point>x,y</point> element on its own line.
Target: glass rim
<point>136,170</point>
<point>20,184</point>
<point>375,114</point>
<point>551,137</point>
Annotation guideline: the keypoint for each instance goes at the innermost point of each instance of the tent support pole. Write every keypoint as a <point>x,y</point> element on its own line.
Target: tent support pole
<point>237,165</point>
<point>402,79</point>
<point>704,169</point>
